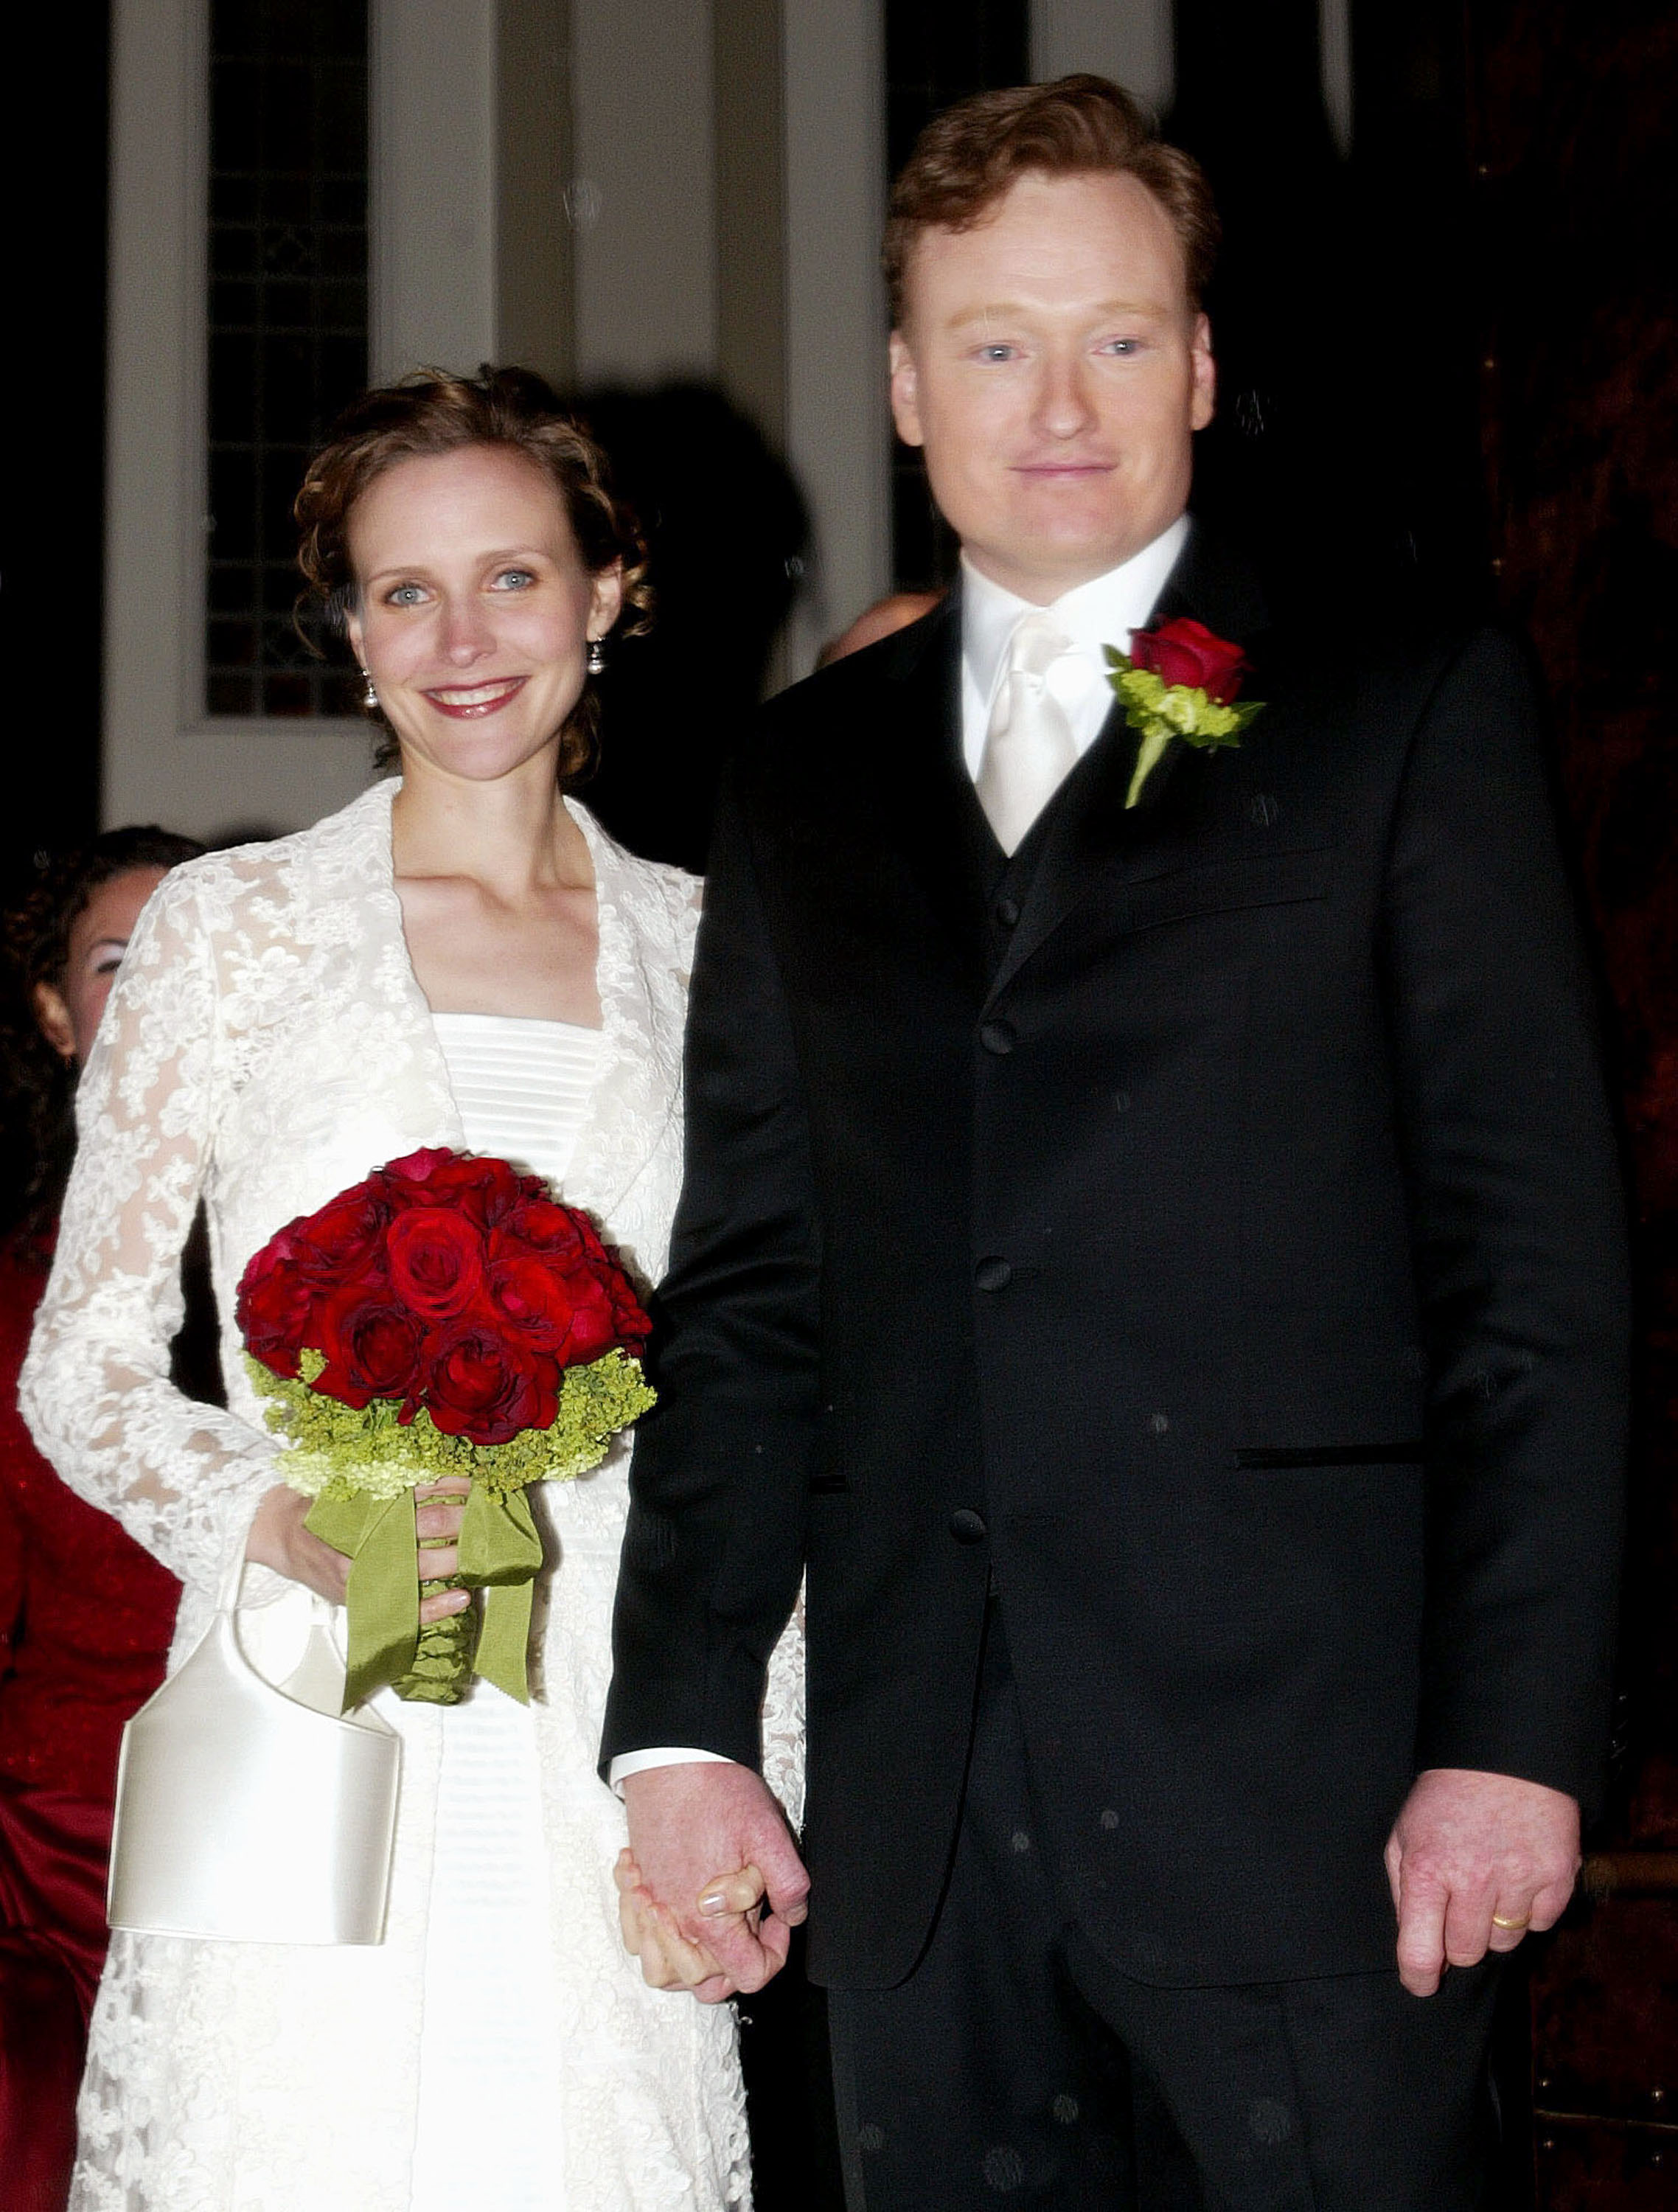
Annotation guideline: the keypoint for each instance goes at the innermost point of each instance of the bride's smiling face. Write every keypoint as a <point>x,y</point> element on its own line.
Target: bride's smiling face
<point>474,610</point>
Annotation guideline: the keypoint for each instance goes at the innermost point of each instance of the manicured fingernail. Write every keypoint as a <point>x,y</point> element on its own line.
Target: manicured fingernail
<point>458,1601</point>
<point>712,1902</point>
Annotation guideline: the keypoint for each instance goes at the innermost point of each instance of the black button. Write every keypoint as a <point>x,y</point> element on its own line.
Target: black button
<point>966,1526</point>
<point>1007,913</point>
<point>993,1274</point>
<point>998,1037</point>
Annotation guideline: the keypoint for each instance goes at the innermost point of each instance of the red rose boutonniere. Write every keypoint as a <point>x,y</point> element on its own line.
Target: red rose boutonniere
<point>1179,681</point>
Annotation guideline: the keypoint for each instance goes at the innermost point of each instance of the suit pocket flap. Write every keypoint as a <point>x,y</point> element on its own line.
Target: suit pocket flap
<point>1410,1453</point>
<point>1227,887</point>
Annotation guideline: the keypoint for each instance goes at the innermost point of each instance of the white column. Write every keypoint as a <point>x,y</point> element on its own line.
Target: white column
<point>1129,40</point>
<point>433,227</point>
<point>642,197</point>
<point>838,424</point>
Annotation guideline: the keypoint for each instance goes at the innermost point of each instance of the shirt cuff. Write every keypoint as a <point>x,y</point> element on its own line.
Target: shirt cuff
<point>637,1762</point>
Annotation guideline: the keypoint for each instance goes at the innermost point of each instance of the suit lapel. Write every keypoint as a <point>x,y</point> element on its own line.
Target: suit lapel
<point>1086,831</point>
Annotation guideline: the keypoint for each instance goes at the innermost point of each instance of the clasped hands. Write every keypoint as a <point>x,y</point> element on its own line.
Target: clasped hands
<point>692,1928</point>
<point>1474,1861</point>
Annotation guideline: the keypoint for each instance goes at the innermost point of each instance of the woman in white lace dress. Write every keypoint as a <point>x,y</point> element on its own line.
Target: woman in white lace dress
<point>462,957</point>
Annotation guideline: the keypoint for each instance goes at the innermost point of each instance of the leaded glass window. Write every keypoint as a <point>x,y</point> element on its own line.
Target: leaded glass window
<point>288,325</point>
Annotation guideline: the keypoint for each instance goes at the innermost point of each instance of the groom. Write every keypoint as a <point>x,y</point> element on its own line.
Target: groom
<point>1156,1268</point>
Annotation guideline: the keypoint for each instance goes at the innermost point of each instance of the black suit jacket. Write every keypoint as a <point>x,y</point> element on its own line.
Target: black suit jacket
<point>1209,1229</point>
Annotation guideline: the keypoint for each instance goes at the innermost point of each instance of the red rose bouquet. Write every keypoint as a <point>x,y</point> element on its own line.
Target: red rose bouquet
<point>447,1316</point>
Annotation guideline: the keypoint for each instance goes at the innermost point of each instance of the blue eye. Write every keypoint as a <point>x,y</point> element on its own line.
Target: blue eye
<point>515,580</point>
<point>405,595</point>
<point>998,352</point>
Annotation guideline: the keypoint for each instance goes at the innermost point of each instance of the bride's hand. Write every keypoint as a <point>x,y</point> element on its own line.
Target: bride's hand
<point>668,1960</point>
<point>279,1540</point>
<point>437,1525</point>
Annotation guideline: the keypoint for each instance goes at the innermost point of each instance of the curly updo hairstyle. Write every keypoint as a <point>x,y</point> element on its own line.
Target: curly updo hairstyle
<point>431,412</point>
<point>37,1102</point>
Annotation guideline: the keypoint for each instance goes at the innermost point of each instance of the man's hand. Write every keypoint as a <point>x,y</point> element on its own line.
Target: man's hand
<point>685,1822</point>
<point>668,1960</point>
<point>1475,1860</point>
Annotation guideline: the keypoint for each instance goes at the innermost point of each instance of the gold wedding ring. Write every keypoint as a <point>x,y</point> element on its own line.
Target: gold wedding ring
<point>1512,1927</point>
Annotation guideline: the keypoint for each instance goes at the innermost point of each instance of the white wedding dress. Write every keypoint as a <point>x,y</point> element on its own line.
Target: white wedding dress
<point>266,1045</point>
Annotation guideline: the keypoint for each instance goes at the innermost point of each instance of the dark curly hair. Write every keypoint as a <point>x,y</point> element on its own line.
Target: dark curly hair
<point>431,412</point>
<point>37,1100</point>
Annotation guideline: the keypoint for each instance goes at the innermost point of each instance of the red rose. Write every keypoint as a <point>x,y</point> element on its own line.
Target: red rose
<point>569,1312</point>
<point>528,1294</point>
<point>552,1278</point>
<point>634,1323</point>
<point>413,1167</point>
<point>345,1239</point>
<point>373,1347</point>
<point>484,1189</point>
<point>485,1387</point>
<point>541,1226</point>
<point>1186,652</point>
<point>274,1303</point>
<point>594,1329</point>
<point>437,1259</point>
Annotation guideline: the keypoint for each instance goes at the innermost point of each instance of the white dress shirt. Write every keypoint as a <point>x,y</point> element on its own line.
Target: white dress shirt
<point>1103,612</point>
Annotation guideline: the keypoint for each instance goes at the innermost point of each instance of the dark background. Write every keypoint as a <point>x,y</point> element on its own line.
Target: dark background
<point>1449,375</point>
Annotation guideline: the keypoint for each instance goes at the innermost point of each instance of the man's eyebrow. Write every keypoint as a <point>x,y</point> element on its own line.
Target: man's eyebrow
<point>1004,311</point>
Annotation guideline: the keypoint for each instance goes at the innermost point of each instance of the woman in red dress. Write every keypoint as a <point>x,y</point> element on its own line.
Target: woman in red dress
<point>85,1614</point>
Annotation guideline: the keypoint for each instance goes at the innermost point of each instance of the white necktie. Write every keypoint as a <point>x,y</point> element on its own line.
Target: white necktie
<point>1029,747</point>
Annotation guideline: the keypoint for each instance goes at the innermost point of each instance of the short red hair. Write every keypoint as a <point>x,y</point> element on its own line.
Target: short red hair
<point>968,157</point>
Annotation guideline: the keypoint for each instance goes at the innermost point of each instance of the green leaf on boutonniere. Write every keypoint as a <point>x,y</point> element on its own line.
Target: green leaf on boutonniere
<point>1159,711</point>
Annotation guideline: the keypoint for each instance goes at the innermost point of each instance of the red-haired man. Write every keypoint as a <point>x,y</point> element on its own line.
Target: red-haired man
<point>1151,1257</point>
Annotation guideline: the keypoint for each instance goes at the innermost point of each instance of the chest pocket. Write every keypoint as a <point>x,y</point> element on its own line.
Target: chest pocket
<point>1222,887</point>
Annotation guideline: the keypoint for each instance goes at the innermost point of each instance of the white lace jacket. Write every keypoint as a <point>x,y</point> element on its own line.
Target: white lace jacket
<point>267,1044</point>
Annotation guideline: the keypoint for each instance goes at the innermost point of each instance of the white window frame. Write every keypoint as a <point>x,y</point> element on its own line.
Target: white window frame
<point>431,298</point>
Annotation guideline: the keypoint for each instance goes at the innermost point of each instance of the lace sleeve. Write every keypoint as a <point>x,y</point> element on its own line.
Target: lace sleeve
<point>783,1718</point>
<point>182,1478</point>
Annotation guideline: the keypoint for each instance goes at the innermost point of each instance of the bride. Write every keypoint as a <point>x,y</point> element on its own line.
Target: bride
<point>459,957</point>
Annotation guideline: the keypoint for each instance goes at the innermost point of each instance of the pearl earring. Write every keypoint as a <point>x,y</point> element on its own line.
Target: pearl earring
<point>596,656</point>
<point>370,694</point>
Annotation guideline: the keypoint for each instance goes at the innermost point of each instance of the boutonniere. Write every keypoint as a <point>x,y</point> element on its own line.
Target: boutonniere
<point>1179,681</point>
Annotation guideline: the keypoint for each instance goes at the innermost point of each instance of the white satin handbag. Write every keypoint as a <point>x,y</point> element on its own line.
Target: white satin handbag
<point>251,1814</point>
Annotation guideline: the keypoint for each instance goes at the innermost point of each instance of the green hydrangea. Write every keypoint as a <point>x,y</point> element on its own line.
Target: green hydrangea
<point>1155,708</point>
<point>339,1453</point>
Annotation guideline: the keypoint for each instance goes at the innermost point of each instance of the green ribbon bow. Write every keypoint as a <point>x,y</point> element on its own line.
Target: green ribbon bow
<point>500,1553</point>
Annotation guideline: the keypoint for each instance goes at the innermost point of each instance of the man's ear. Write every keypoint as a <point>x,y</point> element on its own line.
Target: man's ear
<point>1203,397</point>
<point>905,393</point>
<point>53,1019</point>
